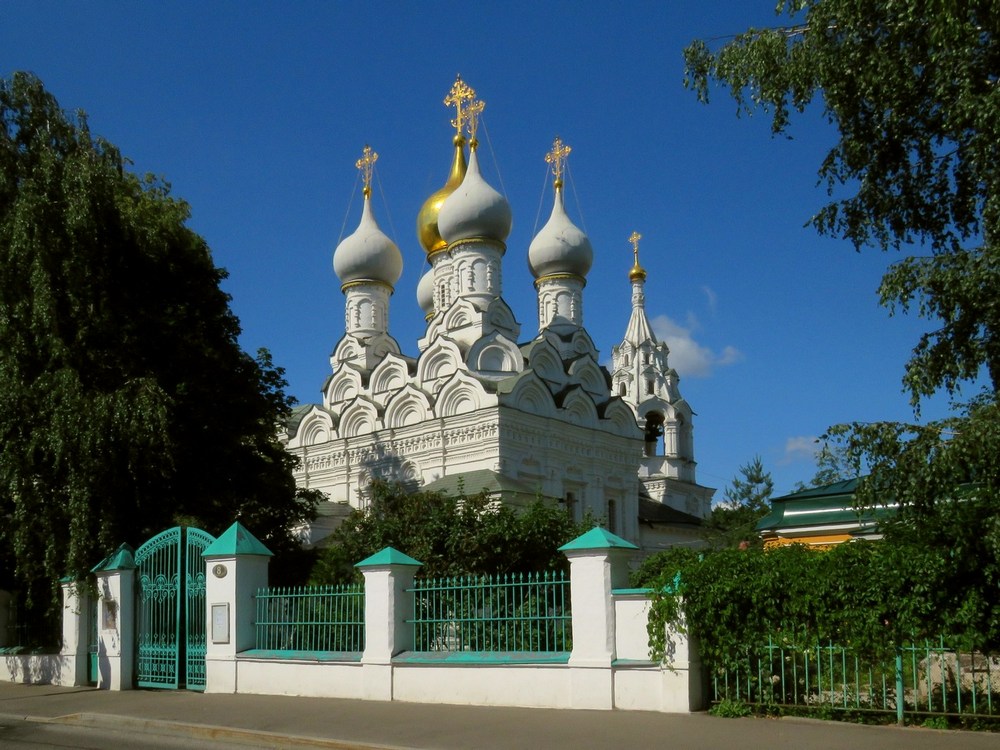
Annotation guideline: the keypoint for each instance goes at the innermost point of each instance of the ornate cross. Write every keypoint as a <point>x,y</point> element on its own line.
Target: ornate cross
<point>366,164</point>
<point>460,93</point>
<point>557,158</point>
<point>634,239</point>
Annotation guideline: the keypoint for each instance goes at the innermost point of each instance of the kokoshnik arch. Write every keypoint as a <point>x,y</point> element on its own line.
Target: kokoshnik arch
<point>480,408</point>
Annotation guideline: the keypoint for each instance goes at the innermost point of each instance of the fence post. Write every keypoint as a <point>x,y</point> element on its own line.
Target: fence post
<point>116,620</point>
<point>235,567</point>
<point>75,631</point>
<point>900,697</point>
<point>598,563</point>
<point>388,606</point>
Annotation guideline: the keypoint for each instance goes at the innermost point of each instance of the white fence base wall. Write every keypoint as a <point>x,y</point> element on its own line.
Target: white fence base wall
<point>38,669</point>
<point>633,687</point>
<point>314,679</point>
<point>530,686</point>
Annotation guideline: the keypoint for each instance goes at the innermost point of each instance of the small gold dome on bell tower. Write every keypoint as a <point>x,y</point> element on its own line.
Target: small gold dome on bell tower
<point>637,272</point>
<point>427,219</point>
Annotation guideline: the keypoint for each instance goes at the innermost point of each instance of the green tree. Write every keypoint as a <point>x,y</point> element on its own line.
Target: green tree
<point>128,403</point>
<point>833,464</point>
<point>468,534</point>
<point>911,90</point>
<point>733,522</point>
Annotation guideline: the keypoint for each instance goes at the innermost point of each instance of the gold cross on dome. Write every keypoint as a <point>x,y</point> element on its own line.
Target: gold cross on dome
<point>472,112</point>
<point>366,165</point>
<point>460,93</point>
<point>634,239</point>
<point>557,158</point>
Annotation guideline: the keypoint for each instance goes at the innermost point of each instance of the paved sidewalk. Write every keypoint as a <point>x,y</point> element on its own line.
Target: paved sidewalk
<point>284,721</point>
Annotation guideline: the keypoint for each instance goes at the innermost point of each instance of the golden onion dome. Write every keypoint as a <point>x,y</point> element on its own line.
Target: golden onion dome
<point>427,219</point>
<point>637,272</point>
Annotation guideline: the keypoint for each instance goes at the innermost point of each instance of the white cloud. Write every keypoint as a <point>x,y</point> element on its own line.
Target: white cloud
<point>799,448</point>
<point>687,356</point>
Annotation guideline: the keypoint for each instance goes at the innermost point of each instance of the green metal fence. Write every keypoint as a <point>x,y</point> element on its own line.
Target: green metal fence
<point>508,613</point>
<point>311,618</point>
<point>926,678</point>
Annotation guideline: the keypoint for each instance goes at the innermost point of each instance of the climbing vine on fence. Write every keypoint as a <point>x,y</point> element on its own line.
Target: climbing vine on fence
<point>871,596</point>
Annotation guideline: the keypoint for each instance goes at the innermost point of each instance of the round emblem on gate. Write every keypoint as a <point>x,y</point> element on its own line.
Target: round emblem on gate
<point>219,571</point>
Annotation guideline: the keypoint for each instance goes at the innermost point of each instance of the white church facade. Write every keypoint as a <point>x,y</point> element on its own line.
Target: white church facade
<point>481,406</point>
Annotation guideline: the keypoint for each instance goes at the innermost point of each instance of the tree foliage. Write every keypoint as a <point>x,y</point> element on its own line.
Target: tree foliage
<point>128,404</point>
<point>871,596</point>
<point>468,534</point>
<point>734,521</point>
<point>913,91</point>
<point>832,465</point>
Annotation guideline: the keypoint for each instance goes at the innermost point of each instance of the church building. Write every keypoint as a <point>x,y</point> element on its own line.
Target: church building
<point>480,405</point>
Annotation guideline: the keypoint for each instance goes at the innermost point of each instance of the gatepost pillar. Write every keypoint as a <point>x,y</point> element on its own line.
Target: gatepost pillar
<point>235,568</point>
<point>598,563</point>
<point>75,632</point>
<point>388,606</point>
<point>116,620</point>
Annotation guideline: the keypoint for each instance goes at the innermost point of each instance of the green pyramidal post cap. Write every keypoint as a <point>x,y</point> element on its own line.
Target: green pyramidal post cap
<point>387,556</point>
<point>597,538</point>
<point>120,559</point>
<point>236,540</point>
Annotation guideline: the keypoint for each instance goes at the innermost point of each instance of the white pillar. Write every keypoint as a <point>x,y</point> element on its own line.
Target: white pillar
<point>116,620</point>
<point>75,632</point>
<point>235,568</point>
<point>388,574</point>
<point>598,563</point>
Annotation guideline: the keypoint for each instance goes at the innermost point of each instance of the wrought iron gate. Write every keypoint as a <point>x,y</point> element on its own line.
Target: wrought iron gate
<point>170,609</point>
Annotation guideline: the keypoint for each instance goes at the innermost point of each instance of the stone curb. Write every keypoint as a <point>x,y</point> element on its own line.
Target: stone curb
<point>165,727</point>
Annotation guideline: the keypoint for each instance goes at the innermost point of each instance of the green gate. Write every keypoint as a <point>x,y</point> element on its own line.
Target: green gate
<point>170,610</point>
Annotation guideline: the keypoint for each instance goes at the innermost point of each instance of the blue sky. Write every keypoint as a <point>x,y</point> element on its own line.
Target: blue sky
<point>256,112</point>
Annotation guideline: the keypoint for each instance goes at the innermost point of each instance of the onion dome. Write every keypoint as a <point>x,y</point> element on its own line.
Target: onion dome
<point>427,219</point>
<point>425,294</point>
<point>368,254</point>
<point>561,247</point>
<point>475,210</point>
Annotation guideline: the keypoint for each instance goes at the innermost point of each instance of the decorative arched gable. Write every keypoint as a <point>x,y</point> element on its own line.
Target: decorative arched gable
<point>391,374</point>
<point>440,361</point>
<point>461,314</point>
<point>590,376</point>
<point>530,395</point>
<point>581,343</point>
<point>578,407</point>
<point>621,419</point>
<point>343,386</point>
<point>460,395</point>
<point>318,427</point>
<point>359,417</point>
<point>501,316</point>
<point>544,361</point>
<point>495,354</point>
<point>346,348</point>
<point>408,407</point>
